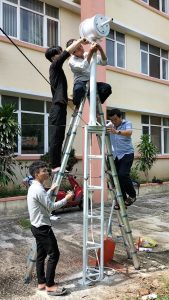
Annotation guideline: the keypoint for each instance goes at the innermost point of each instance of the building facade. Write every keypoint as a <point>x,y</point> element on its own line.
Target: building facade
<point>137,49</point>
<point>138,70</point>
<point>33,26</point>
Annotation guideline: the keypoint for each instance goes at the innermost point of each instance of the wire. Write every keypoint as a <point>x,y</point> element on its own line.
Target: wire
<point>24,55</point>
<point>35,67</point>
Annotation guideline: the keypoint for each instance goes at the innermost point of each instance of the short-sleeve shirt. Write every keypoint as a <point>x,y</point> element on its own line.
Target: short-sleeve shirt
<point>121,145</point>
<point>58,79</point>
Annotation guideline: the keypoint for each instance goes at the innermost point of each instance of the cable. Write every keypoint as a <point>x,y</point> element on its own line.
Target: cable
<point>35,67</point>
<point>24,55</point>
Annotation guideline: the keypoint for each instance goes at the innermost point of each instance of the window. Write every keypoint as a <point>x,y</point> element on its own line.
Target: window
<point>158,129</point>
<point>154,61</point>
<point>115,49</point>
<point>158,4</point>
<point>31,21</point>
<point>32,116</point>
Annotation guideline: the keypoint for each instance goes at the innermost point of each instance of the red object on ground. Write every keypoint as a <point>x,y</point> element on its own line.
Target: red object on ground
<point>109,248</point>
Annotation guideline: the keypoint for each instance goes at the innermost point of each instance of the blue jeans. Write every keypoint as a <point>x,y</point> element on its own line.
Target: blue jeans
<point>79,91</point>
<point>123,167</point>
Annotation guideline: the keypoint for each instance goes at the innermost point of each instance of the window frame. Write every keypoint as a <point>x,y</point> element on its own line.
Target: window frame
<point>148,53</point>
<point>116,42</point>
<point>160,5</point>
<point>161,126</point>
<point>44,27</point>
<point>19,112</point>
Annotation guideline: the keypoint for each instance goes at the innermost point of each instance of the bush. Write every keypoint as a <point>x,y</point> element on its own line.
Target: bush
<point>148,153</point>
<point>9,130</point>
<point>15,191</point>
<point>134,174</point>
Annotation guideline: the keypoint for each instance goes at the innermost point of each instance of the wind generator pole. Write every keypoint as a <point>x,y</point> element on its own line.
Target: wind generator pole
<point>93,29</point>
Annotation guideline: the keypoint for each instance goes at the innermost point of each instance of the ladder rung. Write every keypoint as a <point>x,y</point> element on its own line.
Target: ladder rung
<point>95,156</point>
<point>93,246</point>
<point>94,217</point>
<point>92,269</point>
<point>94,187</point>
<point>90,275</point>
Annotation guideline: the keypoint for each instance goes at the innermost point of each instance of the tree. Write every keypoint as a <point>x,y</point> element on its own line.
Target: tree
<point>148,154</point>
<point>8,132</point>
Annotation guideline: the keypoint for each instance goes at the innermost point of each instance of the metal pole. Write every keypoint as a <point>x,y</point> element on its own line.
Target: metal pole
<point>92,117</point>
<point>85,206</point>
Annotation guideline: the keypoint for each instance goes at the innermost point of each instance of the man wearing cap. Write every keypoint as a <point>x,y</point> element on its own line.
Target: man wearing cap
<point>58,110</point>
<point>123,152</point>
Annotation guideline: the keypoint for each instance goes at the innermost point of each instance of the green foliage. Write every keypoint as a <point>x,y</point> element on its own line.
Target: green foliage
<point>45,158</point>
<point>148,153</point>
<point>9,130</point>
<point>25,223</point>
<point>71,161</point>
<point>15,191</point>
<point>23,168</point>
<point>134,174</point>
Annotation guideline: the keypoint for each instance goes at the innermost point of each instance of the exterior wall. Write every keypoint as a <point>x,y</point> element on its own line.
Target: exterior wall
<point>133,92</point>
<point>139,16</point>
<point>137,93</point>
<point>18,77</point>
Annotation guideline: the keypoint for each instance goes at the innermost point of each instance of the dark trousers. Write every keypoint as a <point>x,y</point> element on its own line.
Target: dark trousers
<point>46,245</point>
<point>57,120</point>
<point>123,167</point>
<point>79,90</point>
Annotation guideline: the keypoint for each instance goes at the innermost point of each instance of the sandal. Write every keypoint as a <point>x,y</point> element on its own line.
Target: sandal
<point>116,206</point>
<point>58,292</point>
<point>129,201</point>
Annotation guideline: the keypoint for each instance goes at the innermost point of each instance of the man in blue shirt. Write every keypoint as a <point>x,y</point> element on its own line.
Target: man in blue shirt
<point>123,152</point>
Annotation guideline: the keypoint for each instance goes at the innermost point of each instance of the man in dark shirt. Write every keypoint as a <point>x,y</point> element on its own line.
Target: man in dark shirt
<point>58,110</point>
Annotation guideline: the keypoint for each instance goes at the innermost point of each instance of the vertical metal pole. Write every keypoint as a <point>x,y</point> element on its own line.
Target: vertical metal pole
<point>85,206</point>
<point>92,117</point>
<point>102,207</point>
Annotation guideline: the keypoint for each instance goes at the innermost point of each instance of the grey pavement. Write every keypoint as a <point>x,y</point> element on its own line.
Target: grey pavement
<point>148,216</point>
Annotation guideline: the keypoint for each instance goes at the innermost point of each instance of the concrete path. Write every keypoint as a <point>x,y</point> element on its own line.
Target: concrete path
<point>148,216</point>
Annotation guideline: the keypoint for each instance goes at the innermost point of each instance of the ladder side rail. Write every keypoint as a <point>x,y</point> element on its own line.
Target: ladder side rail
<point>72,120</point>
<point>58,177</point>
<point>119,196</point>
<point>31,260</point>
<point>122,206</point>
<point>113,196</point>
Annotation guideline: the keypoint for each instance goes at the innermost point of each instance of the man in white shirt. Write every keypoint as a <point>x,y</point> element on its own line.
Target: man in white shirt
<point>79,63</point>
<point>40,205</point>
